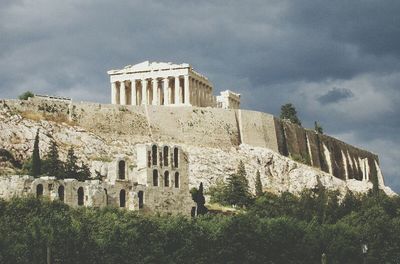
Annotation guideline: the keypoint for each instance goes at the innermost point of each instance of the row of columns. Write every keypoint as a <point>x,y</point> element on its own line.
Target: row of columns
<point>201,93</point>
<point>192,92</point>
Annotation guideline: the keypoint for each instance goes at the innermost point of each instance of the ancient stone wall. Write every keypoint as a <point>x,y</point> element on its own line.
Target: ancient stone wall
<point>329,154</point>
<point>124,126</point>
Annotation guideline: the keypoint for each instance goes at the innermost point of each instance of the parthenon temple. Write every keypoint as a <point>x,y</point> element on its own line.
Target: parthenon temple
<point>160,83</point>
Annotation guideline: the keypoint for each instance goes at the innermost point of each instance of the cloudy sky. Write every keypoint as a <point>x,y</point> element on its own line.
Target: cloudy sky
<point>338,62</point>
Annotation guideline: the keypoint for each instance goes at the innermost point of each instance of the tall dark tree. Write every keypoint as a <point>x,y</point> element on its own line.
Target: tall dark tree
<point>84,172</point>
<point>237,188</point>
<point>288,112</point>
<point>36,163</point>
<point>53,164</point>
<point>318,128</point>
<point>199,199</point>
<point>259,187</point>
<point>71,166</point>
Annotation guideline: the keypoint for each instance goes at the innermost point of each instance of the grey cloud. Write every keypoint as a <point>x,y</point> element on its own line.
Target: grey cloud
<point>335,95</point>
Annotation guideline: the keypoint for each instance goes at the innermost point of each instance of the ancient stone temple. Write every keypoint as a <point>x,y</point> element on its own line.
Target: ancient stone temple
<point>160,83</point>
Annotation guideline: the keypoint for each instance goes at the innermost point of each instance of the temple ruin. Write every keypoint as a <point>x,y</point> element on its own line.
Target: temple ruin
<point>160,83</point>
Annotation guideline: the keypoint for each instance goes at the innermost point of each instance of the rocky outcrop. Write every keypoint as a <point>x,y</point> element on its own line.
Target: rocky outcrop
<point>215,140</point>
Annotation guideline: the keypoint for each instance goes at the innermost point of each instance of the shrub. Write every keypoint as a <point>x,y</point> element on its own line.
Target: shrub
<point>26,95</point>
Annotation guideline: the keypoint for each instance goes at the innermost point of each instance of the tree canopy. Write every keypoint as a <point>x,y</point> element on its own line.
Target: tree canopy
<point>288,112</point>
<point>276,229</point>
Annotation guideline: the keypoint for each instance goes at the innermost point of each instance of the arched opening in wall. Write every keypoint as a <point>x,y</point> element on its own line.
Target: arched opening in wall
<point>155,177</point>
<point>39,190</point>
<point>121,170</point>
<point>176,179</point>
<point>80,196</point>
<point>176,160</point>
<point>122,198</point>
<point>106,194</point>
<point>154,154</point>
<point>166,156</point>
<point>166,178</point>
<point>140,196</point>
<point>61,193</point>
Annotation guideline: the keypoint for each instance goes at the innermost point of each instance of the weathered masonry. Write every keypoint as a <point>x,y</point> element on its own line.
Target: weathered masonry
<point>158,183</point>
<point>160,83</point>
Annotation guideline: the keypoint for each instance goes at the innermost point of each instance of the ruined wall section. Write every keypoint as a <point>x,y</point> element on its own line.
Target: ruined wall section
<point>327,153</point>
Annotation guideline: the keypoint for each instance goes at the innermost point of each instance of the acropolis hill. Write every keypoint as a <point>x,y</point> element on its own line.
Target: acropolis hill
<point>164,126</point>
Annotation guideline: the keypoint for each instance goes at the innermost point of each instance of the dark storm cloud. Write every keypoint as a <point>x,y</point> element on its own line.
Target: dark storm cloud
<point>335,95</point>
<point>272,52</point>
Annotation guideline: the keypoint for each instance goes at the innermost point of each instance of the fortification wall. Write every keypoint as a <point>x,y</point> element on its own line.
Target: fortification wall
<point>327,153</point>
<point>258,129</point>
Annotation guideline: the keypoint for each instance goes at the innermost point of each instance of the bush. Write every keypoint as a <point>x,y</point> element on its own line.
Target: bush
<point>26,95</point>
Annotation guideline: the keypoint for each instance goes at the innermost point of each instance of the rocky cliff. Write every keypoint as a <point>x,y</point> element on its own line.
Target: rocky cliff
<point>215,140</point>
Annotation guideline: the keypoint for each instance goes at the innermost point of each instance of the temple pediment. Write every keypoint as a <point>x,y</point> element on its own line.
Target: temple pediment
<point>149,66</point>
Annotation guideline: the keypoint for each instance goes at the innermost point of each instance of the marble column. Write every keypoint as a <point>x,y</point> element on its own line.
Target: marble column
<point>144,91</point>
<point>187,90</point>
<point>177,91</point>
<point>155,94</point>
<point>122,90</point>
<point>113,93</point>
<point>166,90</point>
<point>133,92</point>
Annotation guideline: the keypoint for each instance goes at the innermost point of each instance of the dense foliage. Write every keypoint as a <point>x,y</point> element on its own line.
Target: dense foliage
<point>288,112</point>
<point>276,229</point>
<point>235,192</point>
<point>26,95</point>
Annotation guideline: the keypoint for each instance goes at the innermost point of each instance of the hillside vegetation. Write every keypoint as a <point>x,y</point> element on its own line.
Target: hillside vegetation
<point>275,229</point>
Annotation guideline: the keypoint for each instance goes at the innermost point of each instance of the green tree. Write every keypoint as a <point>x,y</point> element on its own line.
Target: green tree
<point>71,166</point>
<point>83,172</point>
<point>237,187</point>
<point>199,199</point>
<point>52,165</point>
<point>259,187</point>
<point>217,192</point>
<point>318,128</point>
<point>36,163</point>
<point>288,112</point>
<point>26,95</point>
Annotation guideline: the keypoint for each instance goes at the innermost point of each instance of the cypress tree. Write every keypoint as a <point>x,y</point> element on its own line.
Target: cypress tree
<point>71,167</point>
<point>54,165</point>
<point>36,163</point>
<point>201,201</point>
<point>259,187</point>
<point>237,188</point>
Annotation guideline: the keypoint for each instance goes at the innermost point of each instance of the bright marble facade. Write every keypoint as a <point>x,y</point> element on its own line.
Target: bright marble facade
<point>159,83</point>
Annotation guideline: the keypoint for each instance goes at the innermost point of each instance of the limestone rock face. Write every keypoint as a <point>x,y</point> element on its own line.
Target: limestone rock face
<point>278,173</point>
<point>214,148</point>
